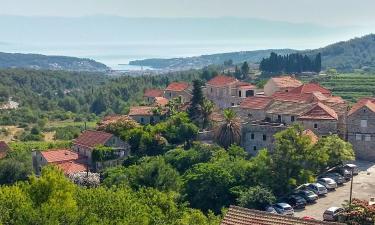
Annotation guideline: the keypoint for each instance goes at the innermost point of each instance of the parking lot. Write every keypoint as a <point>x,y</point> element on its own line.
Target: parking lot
<point>363,188</point>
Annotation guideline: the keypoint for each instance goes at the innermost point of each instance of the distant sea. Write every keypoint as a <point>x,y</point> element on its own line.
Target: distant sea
<point>118,55</point>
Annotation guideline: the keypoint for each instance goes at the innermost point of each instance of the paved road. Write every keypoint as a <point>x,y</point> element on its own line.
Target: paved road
<point>363,188</point>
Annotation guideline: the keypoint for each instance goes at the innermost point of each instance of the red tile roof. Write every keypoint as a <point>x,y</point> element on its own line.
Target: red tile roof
<point>242,216</point>
<point>311,88</point>
<point>177,86</point>
<point>141,111</point>
<point>256,102</point>
<point>319,112</point>
<point>292,97</point>
<point>367,102</point>
<point>222,80</point>
<point>153,93</point>
<point>313,137</point>
<point>72,167</point>
<point>161,101</point>
<point>92,138</point>
<point>286,81</point>
<point>241,84</point>
<point>59,155</point>
<point>4,148</point>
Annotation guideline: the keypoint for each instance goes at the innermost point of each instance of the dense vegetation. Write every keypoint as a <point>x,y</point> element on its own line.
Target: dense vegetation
<point>36,61</point>
<point>291,63</point>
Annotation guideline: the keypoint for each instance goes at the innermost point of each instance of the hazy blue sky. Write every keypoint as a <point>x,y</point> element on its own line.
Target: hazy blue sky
<point>324,12</point>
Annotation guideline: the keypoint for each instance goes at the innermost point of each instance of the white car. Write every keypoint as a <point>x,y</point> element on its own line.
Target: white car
<point>284,209</point>
<point>317,188</point>
<point>329,183</point>
<point>331,214</point>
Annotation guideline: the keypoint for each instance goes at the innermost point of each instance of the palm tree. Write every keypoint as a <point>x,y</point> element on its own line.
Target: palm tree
<point>207,109</point>
<point>229,132</point>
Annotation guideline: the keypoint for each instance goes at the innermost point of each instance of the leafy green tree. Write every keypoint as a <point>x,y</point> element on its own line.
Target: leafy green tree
<point>256,198</point>
<point>195,109</point>
<point>245,70</point>
<point>207,187</point>
<point>229,132</point>
<point>207,109</point>
<point>331,151</point>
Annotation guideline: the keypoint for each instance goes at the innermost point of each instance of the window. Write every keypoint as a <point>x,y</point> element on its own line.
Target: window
<point>252,136</point>
<point>212,90</point>
<point>254,148</point>
<point>279,118</point>
<point>358,137</point>
<point>292,118</point>
<point>239,94</point>
<point>249,115</point>
<point>232,104</point>
<point>264,137</point>
<point>315,125</point>
<point>363,123</point>
<point>170,94</point>
<point>367,137</point>
<point>142,120</point>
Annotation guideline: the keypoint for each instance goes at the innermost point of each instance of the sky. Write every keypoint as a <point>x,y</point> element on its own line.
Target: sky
<point>322,12</point>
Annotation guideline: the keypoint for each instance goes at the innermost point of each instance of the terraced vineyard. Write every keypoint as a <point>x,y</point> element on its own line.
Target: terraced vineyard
<point>349,86</point>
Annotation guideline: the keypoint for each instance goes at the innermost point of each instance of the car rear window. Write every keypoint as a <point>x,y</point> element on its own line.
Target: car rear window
<point>321,188</point>
<point>288,208</point>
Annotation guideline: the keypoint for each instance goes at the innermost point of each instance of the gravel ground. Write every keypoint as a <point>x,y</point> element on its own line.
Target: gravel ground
<point>363,188</point>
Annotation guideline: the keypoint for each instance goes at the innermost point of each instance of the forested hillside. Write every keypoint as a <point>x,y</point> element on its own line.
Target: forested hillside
<point>345,56</point>
<point>357,53</point>
<point>36,61</point>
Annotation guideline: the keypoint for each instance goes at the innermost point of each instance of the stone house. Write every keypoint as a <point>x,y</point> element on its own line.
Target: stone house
<point>150,95</point>
<point>320,119</point>
<point>68,161</point>
<point>254,108</point>
<point>178,89</point>
<point>227,91</point>
<point>361,128</point>
<point>145,114</point>
<point>86,143</point>
<point>258,135</point>
<point>280,84</point>
<point>286,112</point>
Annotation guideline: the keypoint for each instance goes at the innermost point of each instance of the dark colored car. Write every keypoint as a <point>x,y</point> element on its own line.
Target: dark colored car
<point>338,178</point>
<point>308,195</point>
<point>343,172</point>
<point>296,201</point>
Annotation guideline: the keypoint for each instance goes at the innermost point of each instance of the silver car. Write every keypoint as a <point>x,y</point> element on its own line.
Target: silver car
<point>284,209</point>
<point>317,188</point>
<point>332,213</point>
<point>329,183</point>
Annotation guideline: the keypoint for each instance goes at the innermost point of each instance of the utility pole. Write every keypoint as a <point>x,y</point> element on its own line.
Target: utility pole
<point>351,190</point>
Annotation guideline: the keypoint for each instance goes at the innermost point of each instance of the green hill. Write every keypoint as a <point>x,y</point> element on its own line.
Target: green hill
<point>36,61</point>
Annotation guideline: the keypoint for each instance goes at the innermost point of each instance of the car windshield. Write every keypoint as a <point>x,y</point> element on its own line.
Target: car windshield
<point>321,188</point>
<point>288,208</point>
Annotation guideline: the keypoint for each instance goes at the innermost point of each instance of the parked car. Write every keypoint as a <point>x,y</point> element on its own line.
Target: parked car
<point>270,209</point>
<point>332,213</point>
<point>343,172</point>
<point>352,167</point>
<point>317,188</point>
<point>329,183</point>
<point>284,209</point>
<point>308,195</point>
<point>296,201</point>
<point>335,176</point>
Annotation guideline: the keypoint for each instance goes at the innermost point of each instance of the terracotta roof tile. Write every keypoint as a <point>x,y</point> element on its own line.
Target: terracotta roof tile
<point>59,155</point>
<point>222,80</point>
<point>153,93</point>
<point>313,137</point>
<point>311,88</point>
<point>243,216</point>
<point>4,148</point>
<point>368,102</point>
<point>292,97</point>
<point>91,138</point>
<point>72,167</point>
<point>241,84</point>
<point>141,111</point>
<point>177,86</point>
<point>161,101</point>
<point>286,81</point>
<point>288,108</point>
<point>320,112</point>
<point>256,102</point>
